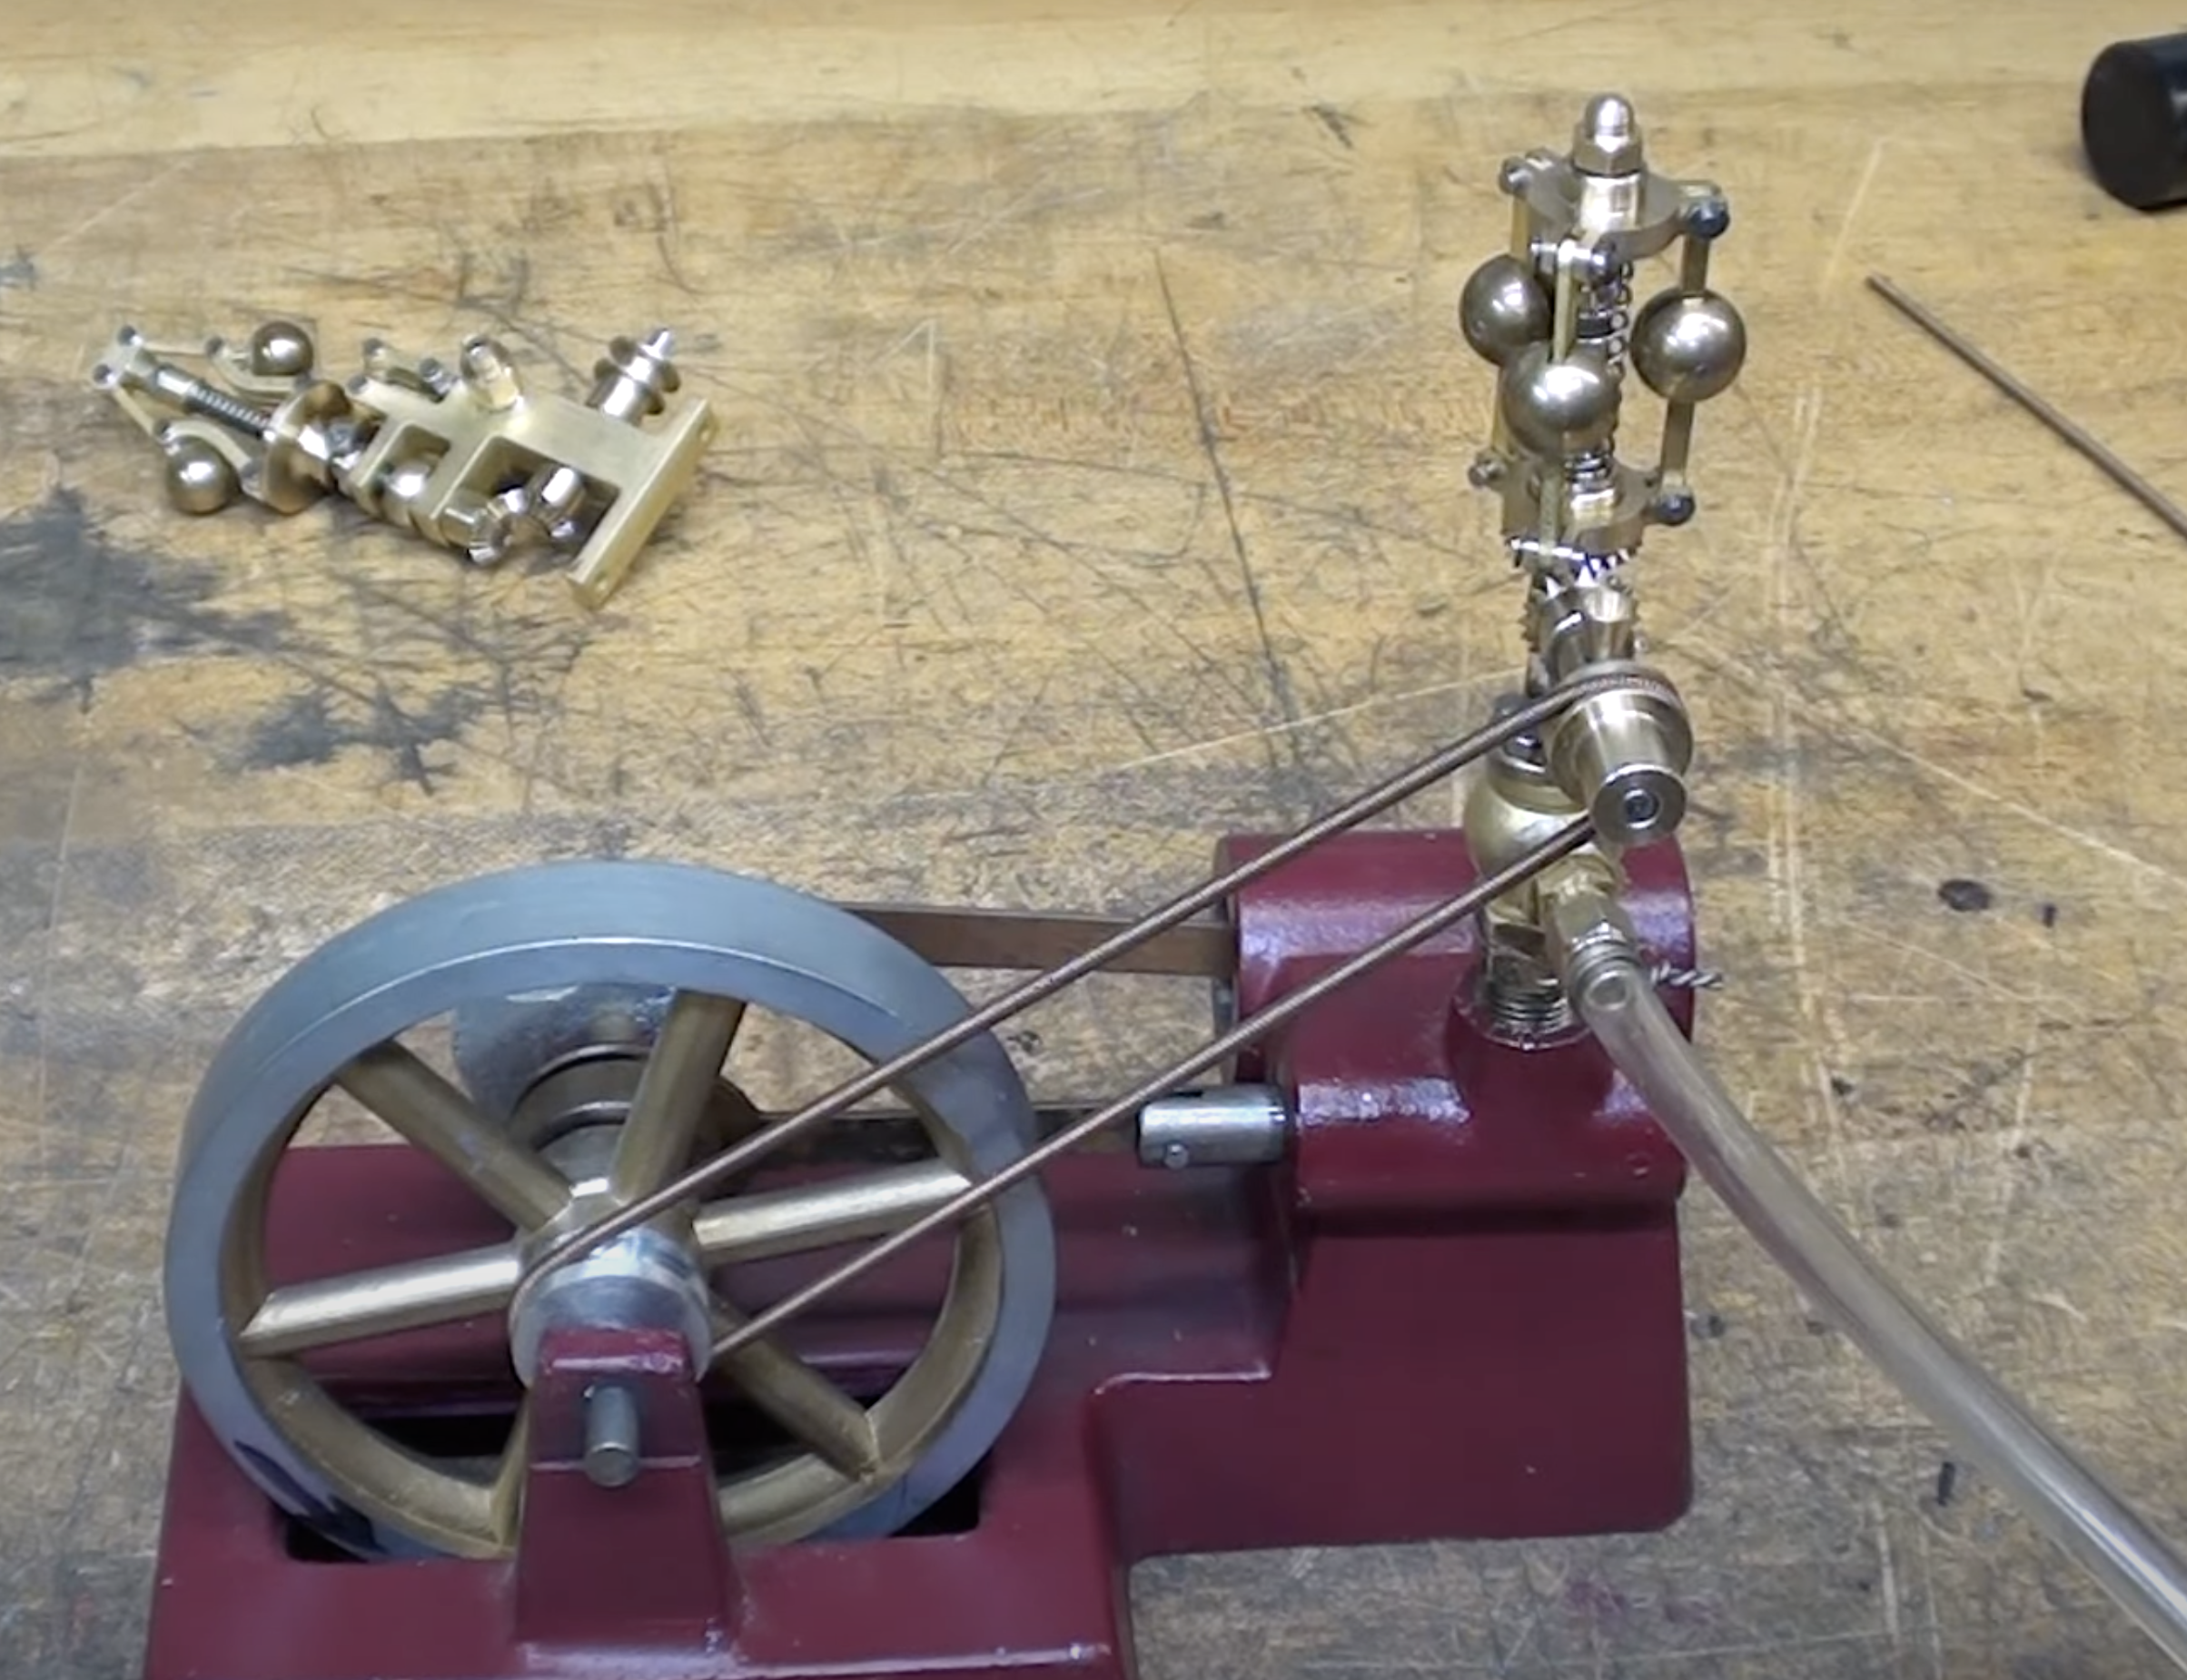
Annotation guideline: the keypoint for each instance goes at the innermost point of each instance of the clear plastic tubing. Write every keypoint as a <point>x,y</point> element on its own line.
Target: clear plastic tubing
<point>2136,1566</point>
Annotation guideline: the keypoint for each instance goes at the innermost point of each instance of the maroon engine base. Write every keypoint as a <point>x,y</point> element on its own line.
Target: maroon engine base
<point>1453,1313</point>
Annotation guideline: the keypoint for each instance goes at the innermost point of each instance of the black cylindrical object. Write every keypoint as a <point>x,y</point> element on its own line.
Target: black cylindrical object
<point>2133,120</point>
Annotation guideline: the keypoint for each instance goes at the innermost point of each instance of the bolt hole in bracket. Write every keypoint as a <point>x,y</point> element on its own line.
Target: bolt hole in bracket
<point>467,455</point>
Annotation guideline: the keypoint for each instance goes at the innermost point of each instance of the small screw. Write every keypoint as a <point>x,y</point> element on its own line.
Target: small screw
<point>1639,807</point>
<point>1675,507</point>
<point>1175,1156</point>
<point>1708,218</point>
<point>436,376</point>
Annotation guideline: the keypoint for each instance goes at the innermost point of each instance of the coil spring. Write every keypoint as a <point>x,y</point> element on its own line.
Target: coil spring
<point>1592,470</point>
<point>1605,316</point>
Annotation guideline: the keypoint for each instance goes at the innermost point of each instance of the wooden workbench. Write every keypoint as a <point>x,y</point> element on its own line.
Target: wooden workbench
<point>1091,478</point>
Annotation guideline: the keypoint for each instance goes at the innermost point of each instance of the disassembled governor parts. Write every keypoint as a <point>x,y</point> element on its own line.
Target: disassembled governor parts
<point>468,455</point>
<point>608,1368</point>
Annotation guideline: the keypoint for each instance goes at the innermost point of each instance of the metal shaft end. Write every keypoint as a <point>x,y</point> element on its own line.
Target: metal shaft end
<point>1228,1126</point>
<point>611,1436</point>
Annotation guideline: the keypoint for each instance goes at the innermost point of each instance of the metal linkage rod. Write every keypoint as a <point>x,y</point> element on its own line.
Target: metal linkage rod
<point>974,1197</point>
<point>1424,773</point>
<point>2086,443</point>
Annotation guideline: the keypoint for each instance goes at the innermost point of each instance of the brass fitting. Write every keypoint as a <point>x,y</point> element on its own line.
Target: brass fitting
<point>427,448</point>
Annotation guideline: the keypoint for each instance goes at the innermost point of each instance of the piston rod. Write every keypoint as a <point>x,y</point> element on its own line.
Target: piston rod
<point>1423,774</point>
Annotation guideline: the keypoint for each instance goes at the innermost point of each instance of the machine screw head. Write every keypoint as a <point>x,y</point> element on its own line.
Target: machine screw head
<point>1502,309</point>
<point>1708,218</point>
<point>480,529</point>
<point>436,376</point>
<point>485,368</point>
<point>1674,506</point>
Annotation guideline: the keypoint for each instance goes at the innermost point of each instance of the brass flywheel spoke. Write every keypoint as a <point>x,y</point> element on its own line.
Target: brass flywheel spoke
<point>815,1411</point>
<point>299,1317</point>
<point>680,1080</point>
<point>427,1110</point>
<point>798,1219</point>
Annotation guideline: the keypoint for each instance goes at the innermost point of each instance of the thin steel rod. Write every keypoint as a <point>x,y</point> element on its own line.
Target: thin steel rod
<point>1373,802</point>
<point>2105,458</point>
<point>769,1223</point>
<point>796,1396</point>
<point>1422,928</point>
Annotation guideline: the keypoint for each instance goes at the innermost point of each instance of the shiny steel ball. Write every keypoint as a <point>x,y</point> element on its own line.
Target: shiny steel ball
<point>1502,310</point>
<point>199,480</point>
<point>280,349</point>
<point>1688,346</point>
<point>1558,407</point>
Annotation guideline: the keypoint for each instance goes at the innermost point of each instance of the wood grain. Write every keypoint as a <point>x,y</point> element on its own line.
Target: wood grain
<point>1091,479</point>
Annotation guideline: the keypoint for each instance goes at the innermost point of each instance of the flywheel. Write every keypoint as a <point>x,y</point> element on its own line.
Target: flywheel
<point>551,1132</point>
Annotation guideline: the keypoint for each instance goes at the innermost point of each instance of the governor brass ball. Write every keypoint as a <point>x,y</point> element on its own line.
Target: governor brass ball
<point>199,481</point>
<point>1688,346</point>
<point>1558,407</point>
<point>1502,310</point>
<point>280,349</point>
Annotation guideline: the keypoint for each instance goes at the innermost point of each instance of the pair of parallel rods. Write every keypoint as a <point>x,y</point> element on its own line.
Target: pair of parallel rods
<point>973,1197</point>
<point>1425,774</point>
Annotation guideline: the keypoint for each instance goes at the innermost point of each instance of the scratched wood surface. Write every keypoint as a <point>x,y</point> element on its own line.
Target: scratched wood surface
<point>1091,480</point>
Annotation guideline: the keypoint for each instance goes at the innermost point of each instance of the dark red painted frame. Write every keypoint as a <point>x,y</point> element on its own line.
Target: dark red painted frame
<point>1453,1313</point>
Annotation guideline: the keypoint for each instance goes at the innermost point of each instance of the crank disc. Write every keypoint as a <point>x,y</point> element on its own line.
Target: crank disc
<point>538,934</point>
